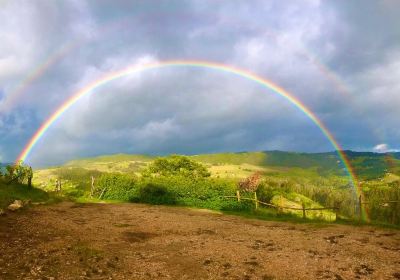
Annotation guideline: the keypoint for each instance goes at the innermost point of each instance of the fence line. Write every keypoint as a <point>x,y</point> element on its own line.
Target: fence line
<point>304,209</point>
<point>283,207</point>
<point>382,201</point>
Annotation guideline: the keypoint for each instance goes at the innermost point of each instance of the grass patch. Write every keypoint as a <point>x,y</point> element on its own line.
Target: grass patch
<point>14,191</point>
<point>86,251</point>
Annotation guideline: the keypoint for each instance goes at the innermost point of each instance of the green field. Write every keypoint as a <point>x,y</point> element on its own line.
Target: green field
<point>288,179</point>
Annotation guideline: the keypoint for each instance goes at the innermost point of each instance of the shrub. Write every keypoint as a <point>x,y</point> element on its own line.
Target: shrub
<point>180,190</point>
<point>266,192</point>
<point>116,186</point>
<point>155,193</point>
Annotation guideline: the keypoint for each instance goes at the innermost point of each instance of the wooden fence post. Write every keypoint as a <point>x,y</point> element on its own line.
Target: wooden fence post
<point>304,210</point>
<point>359,209</point>
<point>280,209</point>
<point>102,192</point>
<point>336,211</point>
<point>92,187</point>
<point>238,195</point>
<point>256,200</point>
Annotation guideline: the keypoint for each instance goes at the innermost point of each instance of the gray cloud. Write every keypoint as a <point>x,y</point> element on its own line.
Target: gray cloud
<point>197,110</point>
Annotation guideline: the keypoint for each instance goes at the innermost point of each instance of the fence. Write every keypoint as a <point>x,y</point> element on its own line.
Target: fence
<point>382,203</point>
<point>304,209</point>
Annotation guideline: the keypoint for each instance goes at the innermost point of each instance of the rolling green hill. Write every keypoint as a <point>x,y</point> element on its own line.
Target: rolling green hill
<point>289,179</point>
<point>367,165</point>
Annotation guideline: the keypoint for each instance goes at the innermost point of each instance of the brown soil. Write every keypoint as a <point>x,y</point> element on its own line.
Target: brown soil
<point>133,241</point>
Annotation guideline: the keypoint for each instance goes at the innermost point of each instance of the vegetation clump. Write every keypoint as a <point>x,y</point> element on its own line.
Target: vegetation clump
<point>15,184</point>
<point>176,165</point>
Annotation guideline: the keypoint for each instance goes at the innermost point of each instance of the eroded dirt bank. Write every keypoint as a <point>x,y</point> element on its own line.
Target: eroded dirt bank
<point>133,241</point>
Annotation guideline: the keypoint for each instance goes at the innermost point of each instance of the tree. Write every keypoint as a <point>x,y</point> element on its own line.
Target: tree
<point>251,183</point>
<point>176,165</point>
<point>29,175</point>
<point>19,173</point>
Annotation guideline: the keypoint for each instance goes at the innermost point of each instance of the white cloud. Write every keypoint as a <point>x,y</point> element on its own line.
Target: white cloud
<point>384,148</point>
<point>381,148</point>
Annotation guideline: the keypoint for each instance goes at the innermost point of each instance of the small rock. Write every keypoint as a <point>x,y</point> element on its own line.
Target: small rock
<point>227,265</point>
<point>396,275</point>
<point>16,205</point>
<point>38,203</point>
<point>26,202</point>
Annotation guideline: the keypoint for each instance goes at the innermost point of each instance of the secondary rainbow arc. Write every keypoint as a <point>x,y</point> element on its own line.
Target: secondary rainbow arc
<point>188,63</point>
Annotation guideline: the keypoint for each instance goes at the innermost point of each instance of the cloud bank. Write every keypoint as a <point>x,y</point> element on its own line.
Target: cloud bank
<point>340,60</point>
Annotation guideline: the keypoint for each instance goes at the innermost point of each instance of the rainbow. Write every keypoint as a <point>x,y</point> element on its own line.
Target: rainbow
<point>57,114</point>
<point>36,74</point>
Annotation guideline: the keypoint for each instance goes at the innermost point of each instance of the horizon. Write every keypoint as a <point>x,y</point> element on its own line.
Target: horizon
<point>61,163</point>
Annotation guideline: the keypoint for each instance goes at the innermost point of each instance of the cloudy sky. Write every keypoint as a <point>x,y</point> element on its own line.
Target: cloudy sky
<point>340,58</point>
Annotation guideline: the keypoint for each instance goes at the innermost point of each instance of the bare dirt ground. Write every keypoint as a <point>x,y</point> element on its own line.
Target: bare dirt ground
<point>134,241</point>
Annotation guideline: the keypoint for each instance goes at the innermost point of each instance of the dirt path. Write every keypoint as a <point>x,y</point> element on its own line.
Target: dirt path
<point>133,241</point>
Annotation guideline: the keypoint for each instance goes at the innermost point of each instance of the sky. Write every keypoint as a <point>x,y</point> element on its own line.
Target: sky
<point>339,58</point>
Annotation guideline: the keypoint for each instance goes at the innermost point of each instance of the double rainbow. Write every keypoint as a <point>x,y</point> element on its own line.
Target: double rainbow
<point>57,114</point>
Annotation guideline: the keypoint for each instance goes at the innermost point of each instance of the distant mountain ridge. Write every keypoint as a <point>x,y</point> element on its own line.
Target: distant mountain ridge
<point>3,166</point>
<point>367,165</point>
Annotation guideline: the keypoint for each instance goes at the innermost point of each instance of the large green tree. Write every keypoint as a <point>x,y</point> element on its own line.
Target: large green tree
<point>19,172</point>
<point>176,165</point>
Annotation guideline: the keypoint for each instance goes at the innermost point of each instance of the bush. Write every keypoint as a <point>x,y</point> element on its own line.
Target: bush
<point>266,192</point>
<point>154,193</point>
<point>116,186</point>
<point>180,190</point>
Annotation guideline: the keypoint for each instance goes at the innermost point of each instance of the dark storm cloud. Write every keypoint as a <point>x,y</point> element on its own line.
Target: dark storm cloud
<point>191,110</point>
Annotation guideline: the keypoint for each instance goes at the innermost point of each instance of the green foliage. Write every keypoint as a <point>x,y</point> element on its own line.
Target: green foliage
<point>176,165</point>
<point>266,192</point>
<point>384,203</point>
<point>116,186</point>
<point>18,173</point>
<point>76,181</point>
<point>180,180</point>
<point>180,190</point>
<point>76,174</point>
<point>155,193</point>
<point>15,190</point>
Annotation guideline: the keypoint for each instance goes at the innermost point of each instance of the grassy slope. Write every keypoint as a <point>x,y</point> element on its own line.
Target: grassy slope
<point>324,169</point>
<point>367,165</point>
<point>223,165</point>
<point>113,163</point>
<point>11,192</point>
<point>376,168</point>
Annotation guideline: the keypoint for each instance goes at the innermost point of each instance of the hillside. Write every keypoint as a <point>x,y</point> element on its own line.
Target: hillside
<point>288,180</point>
<point>367,165</point>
